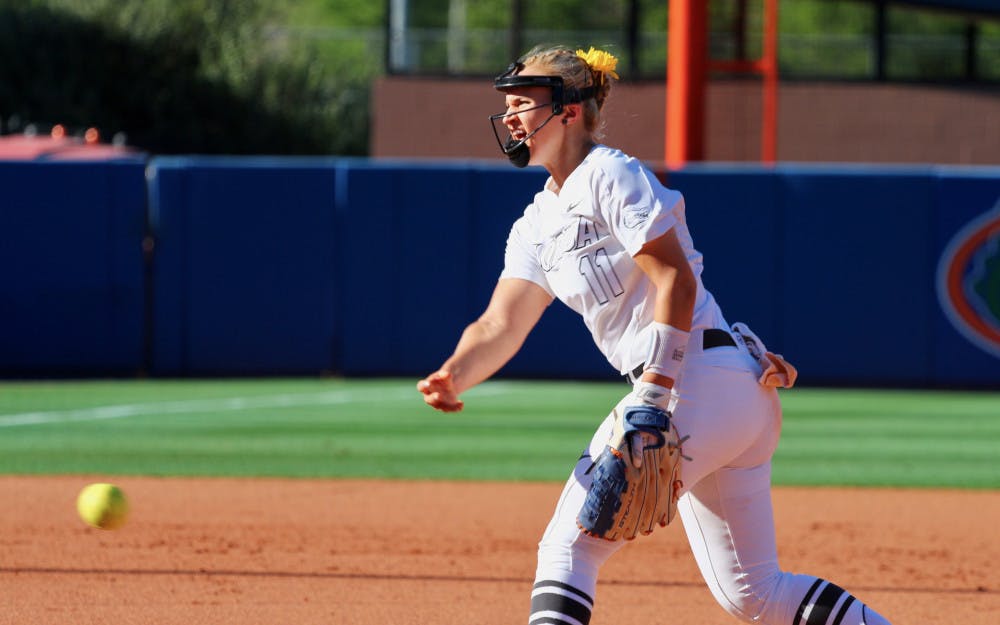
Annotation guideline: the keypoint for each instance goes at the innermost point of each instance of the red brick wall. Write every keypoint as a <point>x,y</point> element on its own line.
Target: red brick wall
<point>821,122</point>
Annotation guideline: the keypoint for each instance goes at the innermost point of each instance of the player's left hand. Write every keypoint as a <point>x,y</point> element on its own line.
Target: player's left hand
<point>632,492</point>
<point>646,394</point>
<point>439,392</point>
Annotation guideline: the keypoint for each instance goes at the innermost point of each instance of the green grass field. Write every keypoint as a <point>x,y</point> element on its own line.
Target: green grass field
<point>510,430</point>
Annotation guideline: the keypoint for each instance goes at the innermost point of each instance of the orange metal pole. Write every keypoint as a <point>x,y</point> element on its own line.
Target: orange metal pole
<point>769,107</point>
<point>686,74</point>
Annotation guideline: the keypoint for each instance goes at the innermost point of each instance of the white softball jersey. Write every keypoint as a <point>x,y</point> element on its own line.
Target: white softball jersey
<point>578,246</point>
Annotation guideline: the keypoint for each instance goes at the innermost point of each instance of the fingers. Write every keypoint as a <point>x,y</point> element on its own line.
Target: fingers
<point>636,447</point>
<point>439,392</point>
<point>438,379</point>
<point>638,442</point>
<point>437,382</point>
<point>444,403</point>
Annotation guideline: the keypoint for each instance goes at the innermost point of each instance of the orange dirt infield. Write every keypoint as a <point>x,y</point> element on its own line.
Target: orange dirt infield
<point>345,552</point>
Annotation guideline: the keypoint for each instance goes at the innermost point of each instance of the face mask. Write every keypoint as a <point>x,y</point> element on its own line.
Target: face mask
<point>517,151</point>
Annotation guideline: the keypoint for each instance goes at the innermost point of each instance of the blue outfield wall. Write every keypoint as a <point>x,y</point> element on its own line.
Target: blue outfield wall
<point>244,270</point>
<point>856,274</point>
<point>267,266</point>
<point>832,266</point>
<point>420,250</point>
<point>71,267</point>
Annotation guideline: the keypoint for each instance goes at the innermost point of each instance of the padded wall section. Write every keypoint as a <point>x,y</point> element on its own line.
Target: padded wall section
<point>404,273</point>
<point>244,269</point>
<point>71,267</point>
<point>858,278</point>
<point>268,266</point>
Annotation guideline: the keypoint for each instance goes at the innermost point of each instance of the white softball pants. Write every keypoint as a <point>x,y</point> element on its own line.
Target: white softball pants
<point>734,425</point>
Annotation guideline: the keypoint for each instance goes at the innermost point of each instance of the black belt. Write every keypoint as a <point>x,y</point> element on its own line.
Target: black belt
<point>712,337</point>
<point>716,338</point>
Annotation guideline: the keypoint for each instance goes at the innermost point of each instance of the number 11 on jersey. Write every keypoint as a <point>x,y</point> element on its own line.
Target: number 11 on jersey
<point>601,276</point>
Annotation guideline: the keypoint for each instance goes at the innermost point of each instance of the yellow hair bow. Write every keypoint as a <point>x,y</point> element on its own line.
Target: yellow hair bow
<point>599,61</point>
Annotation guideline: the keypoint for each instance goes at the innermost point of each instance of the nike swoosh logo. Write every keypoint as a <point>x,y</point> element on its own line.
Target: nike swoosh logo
<point>634,219</point>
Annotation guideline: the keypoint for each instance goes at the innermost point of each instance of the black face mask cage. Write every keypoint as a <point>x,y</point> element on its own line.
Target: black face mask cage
<point>517,151</point>
<point>509,145</point>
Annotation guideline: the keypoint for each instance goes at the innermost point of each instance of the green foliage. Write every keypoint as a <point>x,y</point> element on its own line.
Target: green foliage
<point>989,50</point>
<point>203,76</point>
<point>925,44</point>
<point>572,15</point>
<point>334,13</point>
<point>819,38</point>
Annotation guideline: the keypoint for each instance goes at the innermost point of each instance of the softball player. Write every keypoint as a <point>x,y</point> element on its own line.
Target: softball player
<point>606,238</point>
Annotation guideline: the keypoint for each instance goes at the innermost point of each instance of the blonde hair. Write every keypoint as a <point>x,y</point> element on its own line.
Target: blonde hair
<point>576,74</point>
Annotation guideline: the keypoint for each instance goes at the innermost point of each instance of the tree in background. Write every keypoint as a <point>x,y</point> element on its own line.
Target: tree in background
<point>179,76</point>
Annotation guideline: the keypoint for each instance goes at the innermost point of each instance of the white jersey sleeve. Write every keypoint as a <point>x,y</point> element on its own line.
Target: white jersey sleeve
<point>520,257</point>
<point>637,208</point>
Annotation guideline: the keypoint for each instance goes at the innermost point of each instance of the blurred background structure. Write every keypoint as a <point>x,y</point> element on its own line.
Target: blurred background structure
<point>860,80</point>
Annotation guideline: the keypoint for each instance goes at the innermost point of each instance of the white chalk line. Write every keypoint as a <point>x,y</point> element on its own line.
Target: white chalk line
<point>222,404</point>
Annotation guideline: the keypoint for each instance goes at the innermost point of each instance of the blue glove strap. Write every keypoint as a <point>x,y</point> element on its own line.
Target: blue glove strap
<point>647,419</point>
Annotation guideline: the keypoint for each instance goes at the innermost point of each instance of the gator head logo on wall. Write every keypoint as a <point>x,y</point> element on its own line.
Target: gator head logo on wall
<point>968,281</point>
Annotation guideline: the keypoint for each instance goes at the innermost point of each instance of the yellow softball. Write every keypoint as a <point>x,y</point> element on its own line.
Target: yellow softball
<point>103,506</point>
